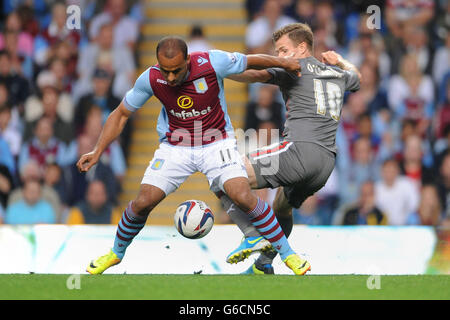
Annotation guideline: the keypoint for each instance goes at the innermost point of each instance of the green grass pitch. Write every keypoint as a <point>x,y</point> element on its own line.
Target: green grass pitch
<point>223,287</point>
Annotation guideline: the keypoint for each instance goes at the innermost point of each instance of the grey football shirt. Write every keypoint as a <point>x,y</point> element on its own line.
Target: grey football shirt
<point>314,100</point>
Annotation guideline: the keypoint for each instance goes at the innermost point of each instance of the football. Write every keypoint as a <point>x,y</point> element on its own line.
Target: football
<point>193,219</point>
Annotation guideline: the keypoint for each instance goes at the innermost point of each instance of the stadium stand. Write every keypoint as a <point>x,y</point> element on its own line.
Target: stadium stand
<point>401,113</point>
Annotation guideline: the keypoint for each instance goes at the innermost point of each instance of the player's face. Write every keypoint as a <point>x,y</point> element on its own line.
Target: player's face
<point>284,47</point>
<point>174,69</point>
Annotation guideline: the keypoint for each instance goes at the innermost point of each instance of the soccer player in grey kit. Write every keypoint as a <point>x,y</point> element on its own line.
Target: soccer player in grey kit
<point>303,161</point>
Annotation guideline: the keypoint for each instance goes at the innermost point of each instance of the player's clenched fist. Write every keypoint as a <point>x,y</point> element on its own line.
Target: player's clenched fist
<point>292,64</point>
<point>331,57</point>
<point>87,161</point>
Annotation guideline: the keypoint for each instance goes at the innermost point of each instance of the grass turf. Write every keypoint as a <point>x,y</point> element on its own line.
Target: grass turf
<point>223,287</point>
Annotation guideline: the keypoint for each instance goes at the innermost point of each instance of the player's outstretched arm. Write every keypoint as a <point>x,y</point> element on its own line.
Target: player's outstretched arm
<point>335,59</point>
<point>250,76</point>
<point>264,61</point>
<point>111,130</point>
<point>255,62</point>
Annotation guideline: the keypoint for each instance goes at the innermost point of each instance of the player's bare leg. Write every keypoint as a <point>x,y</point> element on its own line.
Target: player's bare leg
<point>133,220</point>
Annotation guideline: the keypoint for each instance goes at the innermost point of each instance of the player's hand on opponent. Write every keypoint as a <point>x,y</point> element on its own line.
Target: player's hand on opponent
<point>87,160</point>
<point>331,57</point>
<point>293,65</point>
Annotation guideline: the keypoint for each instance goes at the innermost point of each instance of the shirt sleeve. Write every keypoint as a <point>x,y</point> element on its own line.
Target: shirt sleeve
<point>227,63</point>
<point>280,76</point>
<point>351,81</point>
<point>137,96</point>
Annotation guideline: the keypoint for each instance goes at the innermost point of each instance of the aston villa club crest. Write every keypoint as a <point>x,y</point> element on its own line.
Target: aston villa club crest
<point>200,85</point>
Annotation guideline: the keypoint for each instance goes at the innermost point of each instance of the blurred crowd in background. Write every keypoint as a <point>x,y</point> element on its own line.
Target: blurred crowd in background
<point>57,86</point>
<point>393,161</point>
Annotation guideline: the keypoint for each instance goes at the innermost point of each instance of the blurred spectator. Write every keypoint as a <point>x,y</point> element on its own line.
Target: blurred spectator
<point>58,67</point>
<point>364,130</point>
<point>443,183</point>
<point>354,108</point>
<point>77,182</point>
<point>258,38</point>
<point>396,195</point>
<point>267,133</point>
<point>401,13</point>
<point>374,96</point>
<point>6,185</point>
<point>326,23</point>
<point>429,212</point>
<point>441,19</point>
<point>21,62</point>
<point>197,40</point>
<point>411,94</point>
<point>369,48</point>
<point>305,12</point>
<point>264,109</point>
<point>53,178</point>
<point>126,29</point>
<point>364,212</point>
<point>253,8</point>
<point>441,62</point>
<point>47,43</point>
<point>412,165</point>
<point>394,145</point>
<point>95,208</point>
<point>32,209</point>
<point>363,166</point>
<point>25,10</point>
<point>57,30</point>
<point>9,132</point>
<point>113,155</point>
<point>54,105</point>
<point>32,172</point>
<point>308,212</point>
<point>101,54</point>
<point>17,85</point>
<point>320,43</point>
<point>4,94</point>
<point>44,147</point>
<point>48,83</point>
<point>13,24</point>
<point>328,199</point>
<point>415,41</point>
<point>6,157</point>
<point>442,145</point>
<point>319,208</point>
<point>442,115</point>
<point>101,97</point>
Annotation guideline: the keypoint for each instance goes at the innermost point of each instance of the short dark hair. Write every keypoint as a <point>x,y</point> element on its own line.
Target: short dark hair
<point>171,46</point>
<point>298,33</point>
<point>196,31</point>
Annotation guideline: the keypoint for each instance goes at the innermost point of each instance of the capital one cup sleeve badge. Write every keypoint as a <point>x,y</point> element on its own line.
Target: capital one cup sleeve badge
<point>200,85</point>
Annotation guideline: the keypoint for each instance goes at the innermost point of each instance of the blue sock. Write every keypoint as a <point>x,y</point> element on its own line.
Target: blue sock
<point>128,227</point>
<point>265,221</point>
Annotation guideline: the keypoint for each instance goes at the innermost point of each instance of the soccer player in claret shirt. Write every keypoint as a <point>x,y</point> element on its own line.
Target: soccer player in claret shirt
<point>196,135</point>
<point>303,161</point>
